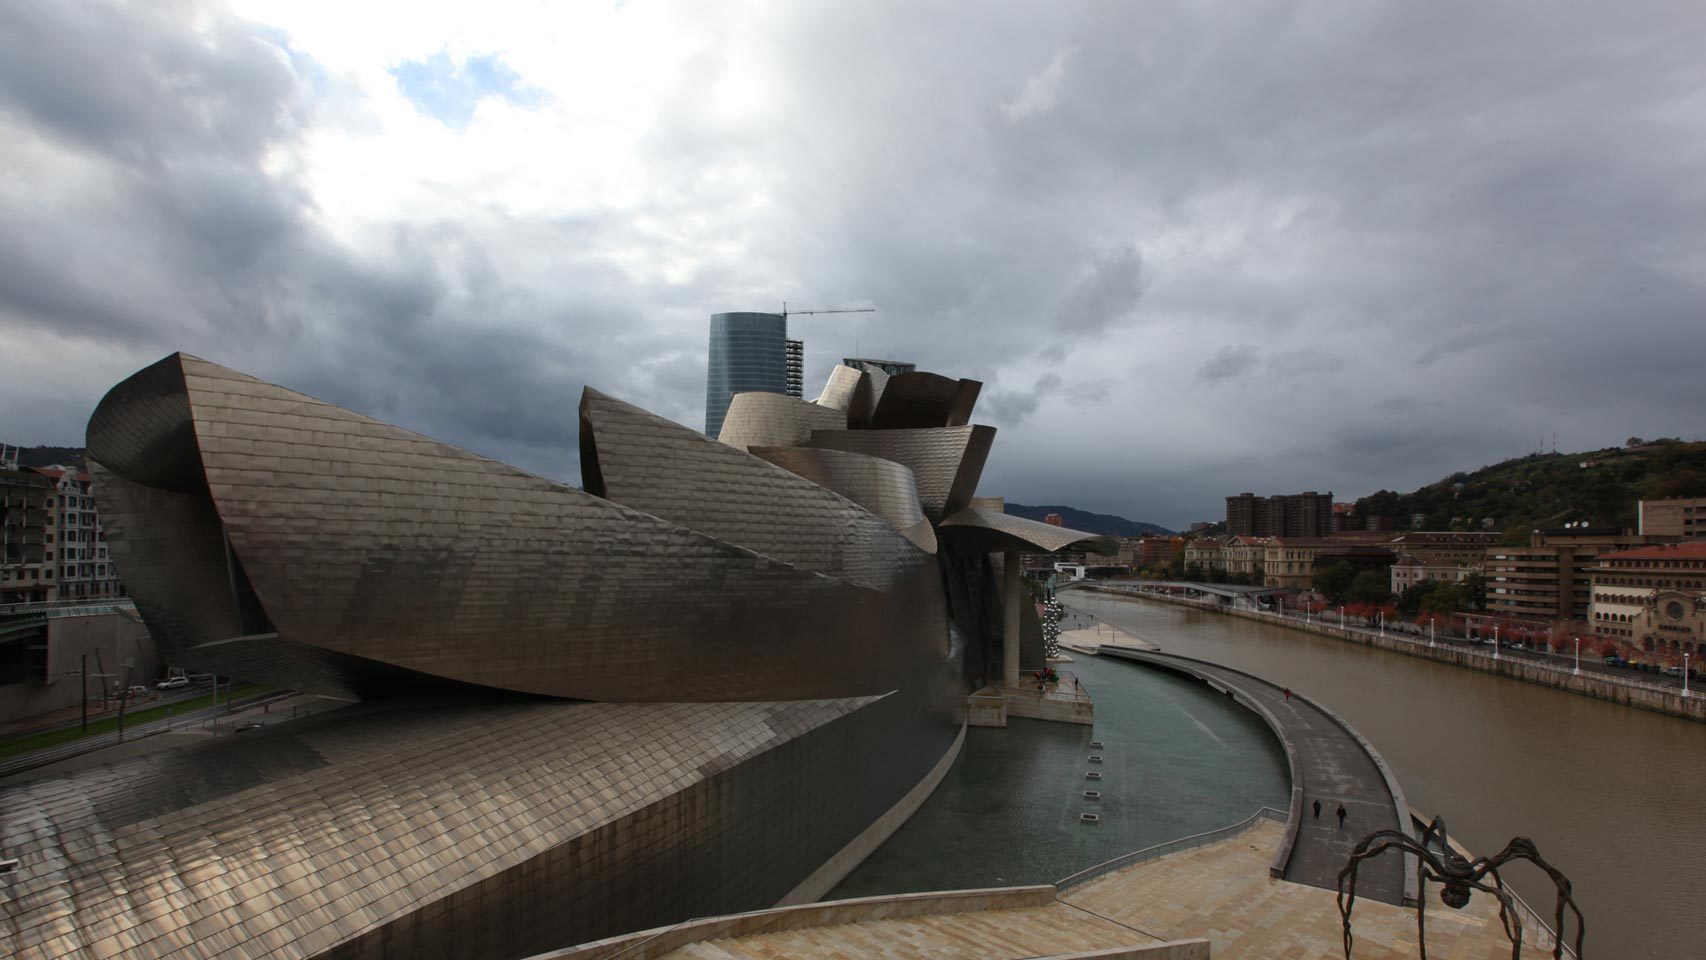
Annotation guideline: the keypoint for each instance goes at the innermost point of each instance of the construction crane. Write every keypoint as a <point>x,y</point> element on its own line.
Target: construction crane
<point>786,313</point>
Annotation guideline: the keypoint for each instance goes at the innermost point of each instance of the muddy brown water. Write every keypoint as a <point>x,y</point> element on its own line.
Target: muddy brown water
<point>1613,796</point>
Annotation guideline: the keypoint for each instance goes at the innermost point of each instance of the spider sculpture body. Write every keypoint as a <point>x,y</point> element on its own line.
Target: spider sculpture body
<point>1458,877</point>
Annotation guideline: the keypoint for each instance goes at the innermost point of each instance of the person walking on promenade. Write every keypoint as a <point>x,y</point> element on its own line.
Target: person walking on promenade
<point>1341,816</point>
<point>1287,694</point>
<point>1317,809</point>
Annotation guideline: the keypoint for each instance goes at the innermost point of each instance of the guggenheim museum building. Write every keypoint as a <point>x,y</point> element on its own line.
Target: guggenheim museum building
<point>711,679</point>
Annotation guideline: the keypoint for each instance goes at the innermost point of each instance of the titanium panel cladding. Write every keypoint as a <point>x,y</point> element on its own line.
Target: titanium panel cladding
<point>772,420</point>
<point>947,461</point>
<point>381,545</point>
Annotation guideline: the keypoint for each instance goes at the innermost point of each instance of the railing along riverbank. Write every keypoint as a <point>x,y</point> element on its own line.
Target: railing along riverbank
<point>1629,692</point>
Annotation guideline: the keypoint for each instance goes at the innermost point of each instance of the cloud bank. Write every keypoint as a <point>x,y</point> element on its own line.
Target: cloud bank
<point>1192,249</point>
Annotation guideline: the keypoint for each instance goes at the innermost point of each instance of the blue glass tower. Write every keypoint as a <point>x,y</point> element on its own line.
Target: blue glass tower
<point>749,352</point>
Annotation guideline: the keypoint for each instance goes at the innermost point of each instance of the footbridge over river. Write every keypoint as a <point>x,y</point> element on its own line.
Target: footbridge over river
<point>1330,762</point>
<point>1226,593</point>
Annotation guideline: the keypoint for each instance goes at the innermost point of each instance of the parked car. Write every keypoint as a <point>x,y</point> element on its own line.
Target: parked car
<point>137,690</point>
<point>173,683</point>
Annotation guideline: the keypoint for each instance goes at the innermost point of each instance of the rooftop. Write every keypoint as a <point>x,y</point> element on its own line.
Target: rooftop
<point>1692,550</point>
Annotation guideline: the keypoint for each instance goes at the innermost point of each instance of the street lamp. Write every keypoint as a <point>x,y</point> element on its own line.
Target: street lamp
<point>1383,623</point>
<point>1495,641</point>
<point>1685,674</point>
<point>1578,670</point>
<point>1431,630</point>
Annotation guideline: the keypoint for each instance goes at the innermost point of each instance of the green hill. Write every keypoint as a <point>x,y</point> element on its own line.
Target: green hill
<point>50,457</point>
<point>1549,490</point>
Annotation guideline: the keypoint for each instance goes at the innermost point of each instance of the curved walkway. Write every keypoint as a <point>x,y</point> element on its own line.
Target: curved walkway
<point>1331,763</point>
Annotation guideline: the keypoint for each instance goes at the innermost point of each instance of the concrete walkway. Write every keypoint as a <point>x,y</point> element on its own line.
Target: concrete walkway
<point>1332,765</point>
<point>1220,893</point>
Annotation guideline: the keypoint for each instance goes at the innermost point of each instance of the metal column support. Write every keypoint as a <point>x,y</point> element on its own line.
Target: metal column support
<point>1010,590</point>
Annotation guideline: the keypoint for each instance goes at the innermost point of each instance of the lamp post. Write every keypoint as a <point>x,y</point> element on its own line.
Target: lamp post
<point>1341,616</point>
<point>1431,630</point>
<point>1383,623</point>
<point>1578,670</point>
<point>1685,674</point>
<point>1495,641</point>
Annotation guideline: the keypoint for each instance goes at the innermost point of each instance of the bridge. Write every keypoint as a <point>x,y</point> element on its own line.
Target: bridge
<point>1228,593</point>
<point>1330,762</point>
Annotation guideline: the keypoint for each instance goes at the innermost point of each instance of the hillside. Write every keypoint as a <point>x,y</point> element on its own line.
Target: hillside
<point>1549,490</point>
<point>50,456</point>
<point>1104,523</point>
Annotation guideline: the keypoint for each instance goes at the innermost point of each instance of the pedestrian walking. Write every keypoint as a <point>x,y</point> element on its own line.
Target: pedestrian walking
<point>1317,809</point>
<point>1341,816</point>
<point>1287,694</point>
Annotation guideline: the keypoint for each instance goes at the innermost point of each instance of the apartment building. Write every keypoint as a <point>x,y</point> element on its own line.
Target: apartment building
<point>1307,514</point>
<point>84,569</point>
<point>1291,562</point>
<point>1551,578</point>
<point>1679,518</point>
<point>1206,552</point>
<point>28,524</point>
<point>1652,596</point>
<point>1458,548</point>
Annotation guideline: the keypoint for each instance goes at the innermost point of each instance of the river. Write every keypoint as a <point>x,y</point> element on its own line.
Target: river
<point>1613,796</point>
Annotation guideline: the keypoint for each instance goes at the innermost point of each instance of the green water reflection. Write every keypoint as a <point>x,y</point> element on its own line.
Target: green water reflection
<point>1178,759</point>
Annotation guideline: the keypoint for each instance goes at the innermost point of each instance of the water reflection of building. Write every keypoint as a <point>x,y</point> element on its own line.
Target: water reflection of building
<point>710,680</point>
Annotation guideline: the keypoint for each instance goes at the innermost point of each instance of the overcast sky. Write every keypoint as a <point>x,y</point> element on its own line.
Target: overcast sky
<point>1191,249</point>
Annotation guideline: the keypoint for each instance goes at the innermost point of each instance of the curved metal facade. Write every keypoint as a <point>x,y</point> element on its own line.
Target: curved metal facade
<point>781,641</point>
<point>771,420</point>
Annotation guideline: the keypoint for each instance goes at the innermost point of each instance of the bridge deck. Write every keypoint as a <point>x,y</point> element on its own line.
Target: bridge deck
<point>1335,768</point>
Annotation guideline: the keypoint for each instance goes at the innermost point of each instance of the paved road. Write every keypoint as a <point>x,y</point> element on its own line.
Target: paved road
<point>18,763</point>
<point>1334,767</point>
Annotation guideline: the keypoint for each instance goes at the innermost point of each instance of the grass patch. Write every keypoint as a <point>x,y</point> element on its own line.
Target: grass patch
<point>131,718</point>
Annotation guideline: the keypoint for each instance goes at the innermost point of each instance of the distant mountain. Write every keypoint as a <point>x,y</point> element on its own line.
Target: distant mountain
<point>1103,523</point>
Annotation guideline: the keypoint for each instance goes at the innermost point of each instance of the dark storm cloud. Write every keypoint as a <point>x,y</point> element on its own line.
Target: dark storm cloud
<point>1192,249</point>
<point>133,83</point>
<point>1229,361</point>
<point>188,242</point>
<point>1107,293</point>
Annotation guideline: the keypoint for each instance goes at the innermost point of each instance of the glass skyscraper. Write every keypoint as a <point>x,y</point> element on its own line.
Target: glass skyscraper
<point>749,352</point>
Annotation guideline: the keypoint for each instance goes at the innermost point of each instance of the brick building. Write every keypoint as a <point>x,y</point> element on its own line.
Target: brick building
<point>1653,597</point>
<point>1307,514</point>
<point>1551,579</point>
<point>1680,518</point>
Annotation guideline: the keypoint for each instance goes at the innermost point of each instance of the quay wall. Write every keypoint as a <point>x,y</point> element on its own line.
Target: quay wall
<point>1644,697</point>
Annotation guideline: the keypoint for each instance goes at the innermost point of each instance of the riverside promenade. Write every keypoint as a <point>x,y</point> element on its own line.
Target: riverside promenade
<point>1641,694</point>
<point>1330,762</point>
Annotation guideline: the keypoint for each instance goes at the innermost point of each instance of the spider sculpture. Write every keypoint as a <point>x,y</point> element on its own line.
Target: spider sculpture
<point>1437,861</point>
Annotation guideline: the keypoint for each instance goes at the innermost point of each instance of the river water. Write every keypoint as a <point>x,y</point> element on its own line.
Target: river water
<point>1613,796</point>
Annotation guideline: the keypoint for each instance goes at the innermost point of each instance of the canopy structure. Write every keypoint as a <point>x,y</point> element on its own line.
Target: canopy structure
<point>979,530</point>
